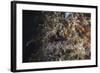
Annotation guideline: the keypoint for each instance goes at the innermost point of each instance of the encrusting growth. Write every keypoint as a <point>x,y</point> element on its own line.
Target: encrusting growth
<point>65,37</point>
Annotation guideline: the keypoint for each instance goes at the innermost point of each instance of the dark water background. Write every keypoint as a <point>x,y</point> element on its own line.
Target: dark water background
<point>31,20</point>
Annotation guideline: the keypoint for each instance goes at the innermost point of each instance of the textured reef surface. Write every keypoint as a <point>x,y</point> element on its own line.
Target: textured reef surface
<point>60,36</point>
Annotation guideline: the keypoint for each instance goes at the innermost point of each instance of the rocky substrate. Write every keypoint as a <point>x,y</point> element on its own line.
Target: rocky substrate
<point>64,38</point>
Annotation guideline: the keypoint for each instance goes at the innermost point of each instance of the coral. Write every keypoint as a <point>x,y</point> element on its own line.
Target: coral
<point>65,37</point>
